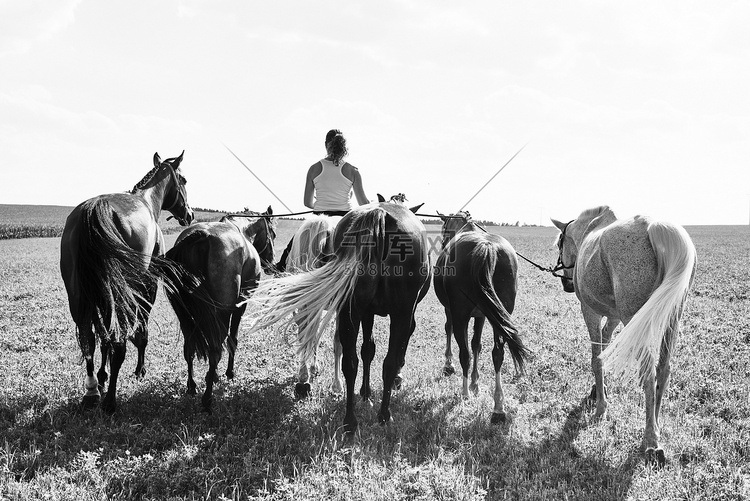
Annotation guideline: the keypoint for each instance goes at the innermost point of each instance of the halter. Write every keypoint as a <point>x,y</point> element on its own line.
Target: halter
<point>559,265</point>
<point>180,191</point>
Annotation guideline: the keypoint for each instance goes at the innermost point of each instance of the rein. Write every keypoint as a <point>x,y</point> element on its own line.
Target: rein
<point>245,214</point>
<point>554,270</point>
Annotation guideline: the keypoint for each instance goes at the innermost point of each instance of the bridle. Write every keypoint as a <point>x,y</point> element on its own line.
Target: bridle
<point>560,265</point>
<point>181,194</point>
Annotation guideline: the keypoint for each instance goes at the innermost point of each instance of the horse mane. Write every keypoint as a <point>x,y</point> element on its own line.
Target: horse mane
<point>272,222</point>
<point>594,212</point>
<point>312,244</point>
<point>146,179</point>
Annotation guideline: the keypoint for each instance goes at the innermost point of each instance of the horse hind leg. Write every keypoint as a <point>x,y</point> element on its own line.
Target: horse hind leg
<point>101,375</point>
<point>214,357</point>
<point>654,453</point>
<point>599,337</point>
<point>91,384</point>
<point>140,336</point>
<point>234,327</point>
<point>117,357</point>
<point>460,332</point>
<point>498,355</point>
<point>336,386</point>
<point>606,335</point>
<point>399,380</point>
<point>188,352</point>
<point>448,369</point>
<point>348,329</point>
<point>402,326</point>
<point>476,348</point>
<point>368,353</point>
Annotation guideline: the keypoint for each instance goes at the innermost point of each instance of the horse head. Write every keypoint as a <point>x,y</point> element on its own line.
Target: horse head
<point>175,193</point>
<point>455,223</point>
<point>571,235</point>
<point>261,231</point>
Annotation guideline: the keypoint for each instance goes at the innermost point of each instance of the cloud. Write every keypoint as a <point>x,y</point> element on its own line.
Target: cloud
<point>27,23</point>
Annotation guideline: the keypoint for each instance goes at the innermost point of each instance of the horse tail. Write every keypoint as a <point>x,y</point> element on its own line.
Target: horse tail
<point>484,261</point>
<point>190,298</point>
<point>295,302</point>
<point>637,346</point>
<point>111,276</point>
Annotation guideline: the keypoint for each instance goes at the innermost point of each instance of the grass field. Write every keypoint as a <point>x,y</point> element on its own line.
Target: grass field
<point>261,443</point>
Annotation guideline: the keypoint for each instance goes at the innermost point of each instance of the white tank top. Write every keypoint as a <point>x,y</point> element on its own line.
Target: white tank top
<point>333,190</point>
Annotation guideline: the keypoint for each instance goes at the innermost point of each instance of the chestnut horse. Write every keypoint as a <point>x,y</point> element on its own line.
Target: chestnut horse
<point>476,276</point>
<point>110,261</point>
<point>226,258</point>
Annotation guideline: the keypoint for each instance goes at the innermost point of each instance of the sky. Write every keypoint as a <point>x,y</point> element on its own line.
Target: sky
<point>643,106</point>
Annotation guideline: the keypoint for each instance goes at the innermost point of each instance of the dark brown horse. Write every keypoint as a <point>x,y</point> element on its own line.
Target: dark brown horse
<point>110,260</point>
<point>226,258</point>
<point>380,267</point>
<point>475,276</point>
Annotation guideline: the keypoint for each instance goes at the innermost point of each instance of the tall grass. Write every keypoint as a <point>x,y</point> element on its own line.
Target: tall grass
<point>261,443</point>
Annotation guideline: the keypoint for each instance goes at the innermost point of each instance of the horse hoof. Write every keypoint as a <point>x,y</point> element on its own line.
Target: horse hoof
<point>207,405</point>
<point>385,418</point>
<point>368,402</point>
<point>90,401</point>
<point>350,428</point>
<point>140,373</point>
<point>474,388</point>
<point>397,382</point>
<point>591,397</point>
<point>448,371</point>
<point>302,390</point>
<point>230,375</point>
<point>655,457</point>
<point>498,418</point>
<point>109,407</point>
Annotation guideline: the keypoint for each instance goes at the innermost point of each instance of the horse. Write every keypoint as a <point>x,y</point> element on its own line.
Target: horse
<point>380,266</point>
<point>226,258</point>
<point>312,247</point>
<point>637,271</point>
<point>476,277</point>
<point>110,262</point>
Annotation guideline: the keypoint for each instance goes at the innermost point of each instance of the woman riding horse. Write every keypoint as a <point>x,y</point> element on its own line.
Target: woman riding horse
<point>329,185</point>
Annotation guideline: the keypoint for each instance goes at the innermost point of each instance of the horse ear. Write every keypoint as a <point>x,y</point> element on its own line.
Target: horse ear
<point>381,198</point>
<point>157,159</point>
<point>442,217</point>
<point>560,226</point>
<point>177,161</point>
<point>269,211</point>
<point>416,208</point>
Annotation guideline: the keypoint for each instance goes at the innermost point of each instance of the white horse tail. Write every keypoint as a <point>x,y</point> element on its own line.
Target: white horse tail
<point>295,302</point>
<point>637,347</point>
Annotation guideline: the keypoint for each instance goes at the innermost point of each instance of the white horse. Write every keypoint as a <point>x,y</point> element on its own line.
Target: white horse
<point>636,271</point>
<point>312,246</point>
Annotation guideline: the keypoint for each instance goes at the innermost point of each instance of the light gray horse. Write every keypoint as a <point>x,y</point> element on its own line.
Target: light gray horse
<point>636,271</point>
